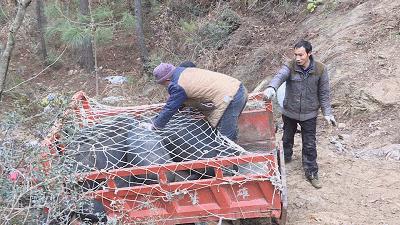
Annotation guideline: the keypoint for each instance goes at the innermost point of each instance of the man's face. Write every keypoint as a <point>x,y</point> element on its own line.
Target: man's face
<point>301,56</point>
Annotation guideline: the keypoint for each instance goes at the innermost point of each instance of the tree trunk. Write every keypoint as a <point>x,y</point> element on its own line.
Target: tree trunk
<point>86,59</point>
<point>41,21</point>
<point>130,6</point>
<point>139,31</point>
<point>6,53</point>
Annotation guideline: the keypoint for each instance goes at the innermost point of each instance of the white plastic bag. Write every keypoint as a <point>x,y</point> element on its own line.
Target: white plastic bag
<point>280,96</point>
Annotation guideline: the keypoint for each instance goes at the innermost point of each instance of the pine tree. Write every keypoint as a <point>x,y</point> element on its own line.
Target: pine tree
<point>86,26</point>
<point>86,59</point>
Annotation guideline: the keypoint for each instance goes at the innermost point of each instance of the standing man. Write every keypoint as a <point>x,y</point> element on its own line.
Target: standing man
<point>307,90</point>
<point>227,95</point>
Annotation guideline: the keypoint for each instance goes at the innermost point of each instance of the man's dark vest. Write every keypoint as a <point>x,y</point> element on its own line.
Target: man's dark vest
<point>318,70</point>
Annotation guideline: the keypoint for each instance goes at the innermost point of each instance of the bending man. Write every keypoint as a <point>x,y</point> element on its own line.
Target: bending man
<point>188,84</point>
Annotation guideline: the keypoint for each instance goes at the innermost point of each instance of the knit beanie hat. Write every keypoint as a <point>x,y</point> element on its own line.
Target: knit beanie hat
<point>163,72</point>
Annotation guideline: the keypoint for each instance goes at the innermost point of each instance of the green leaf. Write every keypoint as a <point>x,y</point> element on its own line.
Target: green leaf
<point>74,35</point>
<point>188,27</point>
<point>102,13</point>
<point>52,10</point>
<point>128,21</point>
<point>51,31</point>
<point>84,19</point>
<point>58,28</point>
<point>103,35</point>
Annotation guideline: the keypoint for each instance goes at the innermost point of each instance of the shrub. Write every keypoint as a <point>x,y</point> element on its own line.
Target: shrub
<point>154,60</point>
<point>184,8</point>
<point>53,59</point>
<point>27,189</point>
<point>128,21</point>
<point>215,33</point>
<point>312,4</point>
<point>188,27</point>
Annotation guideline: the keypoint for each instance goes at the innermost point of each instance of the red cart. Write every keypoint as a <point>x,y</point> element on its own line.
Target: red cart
<point>243,196</point>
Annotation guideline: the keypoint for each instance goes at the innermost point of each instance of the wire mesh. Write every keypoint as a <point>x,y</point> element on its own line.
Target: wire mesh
<point>119,168</point>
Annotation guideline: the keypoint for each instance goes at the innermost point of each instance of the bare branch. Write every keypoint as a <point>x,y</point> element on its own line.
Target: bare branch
<point>6,53</point>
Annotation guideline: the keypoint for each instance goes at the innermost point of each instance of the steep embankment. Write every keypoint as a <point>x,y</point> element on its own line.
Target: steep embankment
<point>359,41</point>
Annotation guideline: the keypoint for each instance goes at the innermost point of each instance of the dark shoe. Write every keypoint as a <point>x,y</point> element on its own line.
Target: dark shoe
<point>315,182</point>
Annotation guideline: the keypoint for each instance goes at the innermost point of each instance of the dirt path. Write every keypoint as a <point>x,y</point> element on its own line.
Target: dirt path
<point>355,191</point>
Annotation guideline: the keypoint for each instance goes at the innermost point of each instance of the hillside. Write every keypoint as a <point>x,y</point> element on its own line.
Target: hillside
<point>357,39</point>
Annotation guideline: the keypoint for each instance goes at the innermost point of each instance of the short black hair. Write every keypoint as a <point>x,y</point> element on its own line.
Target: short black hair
<point>187,64</point>
<point>305,44</point>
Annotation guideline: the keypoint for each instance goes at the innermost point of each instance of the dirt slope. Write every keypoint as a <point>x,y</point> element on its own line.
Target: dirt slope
<point>360,45</point>
<point>355,191</point>
<point>359,41</point>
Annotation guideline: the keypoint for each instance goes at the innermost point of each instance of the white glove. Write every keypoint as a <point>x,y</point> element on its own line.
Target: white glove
<point>146,126</point>
<point>331,120</point>
<point>269,93</point>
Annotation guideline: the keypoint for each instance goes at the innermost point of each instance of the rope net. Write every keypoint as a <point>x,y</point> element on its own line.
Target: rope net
<point>118,166</point>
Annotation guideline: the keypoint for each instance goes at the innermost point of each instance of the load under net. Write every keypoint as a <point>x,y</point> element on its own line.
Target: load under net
<point>123,172</point>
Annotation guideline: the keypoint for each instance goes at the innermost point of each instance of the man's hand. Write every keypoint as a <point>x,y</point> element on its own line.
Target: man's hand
<point>146,126</point>
<point>331,120</point>
<point>269,93</point>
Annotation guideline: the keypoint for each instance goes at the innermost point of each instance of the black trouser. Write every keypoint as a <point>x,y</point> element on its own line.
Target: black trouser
<point>309,150</point>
